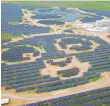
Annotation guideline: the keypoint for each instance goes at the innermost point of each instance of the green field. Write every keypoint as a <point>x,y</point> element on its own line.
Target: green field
<point>103,5</point>
<point>5,36</point>
<point>13,22</point>
<point>94,79</point>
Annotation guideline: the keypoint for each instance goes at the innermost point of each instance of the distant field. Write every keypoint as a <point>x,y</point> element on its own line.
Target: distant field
<point>103,5</point>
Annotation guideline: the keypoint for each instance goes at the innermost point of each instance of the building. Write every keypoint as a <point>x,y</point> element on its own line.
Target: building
<point>4,101</point>
<point>103,23</point>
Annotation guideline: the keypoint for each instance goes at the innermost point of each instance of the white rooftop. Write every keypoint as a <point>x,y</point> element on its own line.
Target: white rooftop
<point>4,101</point>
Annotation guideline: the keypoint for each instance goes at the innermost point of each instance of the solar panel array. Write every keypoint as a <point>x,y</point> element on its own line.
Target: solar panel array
<point>66,41</point>
<point>67,83</point>
<point>8,15</point>
<point>15,53</point>
<point>68,72</point>
<point>79,48</point>
<point>59,54</point>
<point>99,59</point>
<point>27,76</point>
<point>51,22</point>
<point>87,98</point>
<point>23,74</point>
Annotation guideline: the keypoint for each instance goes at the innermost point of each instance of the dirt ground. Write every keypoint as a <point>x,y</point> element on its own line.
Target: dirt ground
<point>104,36</point>
<point>21,98</point>
<point>16,102</point>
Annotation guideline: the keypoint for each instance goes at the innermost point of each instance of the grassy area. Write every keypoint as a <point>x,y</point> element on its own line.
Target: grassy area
<point>40,47</point>
<point>51,30</point>
<point>13,22</point>
<point>94,79</point>
<point>25,11</point>
<point>104,5</point>
<point>105,104</point>
<point>5,36</point>
<point>24,18</point>
<point>36,47</point>
<point>17,61</point>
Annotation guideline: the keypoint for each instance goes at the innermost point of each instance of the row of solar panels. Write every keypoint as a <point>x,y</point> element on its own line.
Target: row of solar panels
<point>99,67</point>
<point>82,80</point>
<point>71,69</point>
<point>86,98</point>
<point>62,86</point>
<point>99,70</point>
<point>74,41</point>
<point>17,76</point>
<point>102,63</point>
<point>22,76</point>
<point>31,81</point>
<point>58,84</point>
<point>85,57</point>
<point>52,55</point>
<point>79,48</point>
<point>24,70</point>
<point>94,56</point>
<point>68,72</point>
<point>78,101</point>
<point>100,60</point>
<point>99,49</point>
<point>39,63</point>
